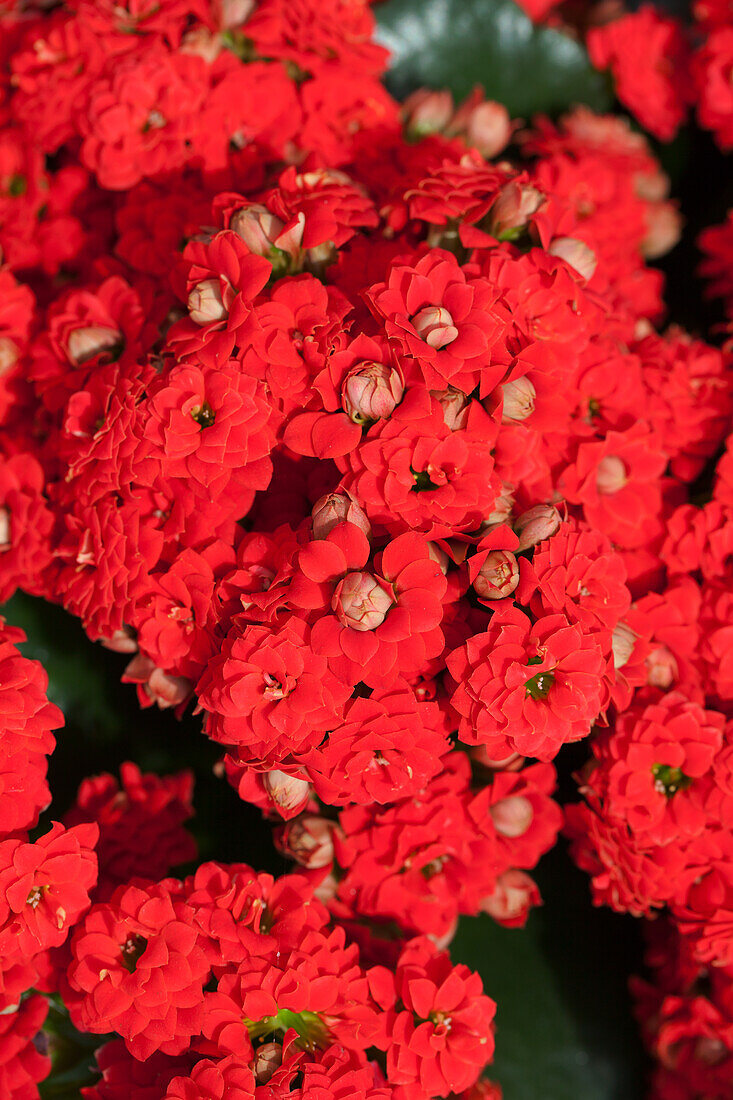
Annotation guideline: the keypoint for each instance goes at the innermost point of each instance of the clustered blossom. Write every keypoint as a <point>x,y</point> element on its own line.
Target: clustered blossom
<point>357,431</point>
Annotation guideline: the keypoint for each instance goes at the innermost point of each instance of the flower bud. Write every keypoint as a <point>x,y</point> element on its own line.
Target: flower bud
<point>662,668</point>
<point>623,640</point>
<point>288,792</point>
<point>439,556</point>
<point>309,841</point>
<point>371,391</point>
<point>334,508</point>
<point>710,1050</point>
<point>536,524</point>
<point>498,576</point>
<point>200,42</point>
<point>511,763</point>
<point>327,889</point>
<point>513,896</point>
<point>443,942</point>
<point>9,354</point>
<point>455,405</point>
<point>513,208</point>
<point>167,691</point>
<point>85,343</point>
<point>5,535</point>
<point>488,128</point>
<point>434,325</point>
<point>122,641</point>
<point>235,12</point>
<point>512,816</point>
<point>664,229</point>
<point>518,400</point>
<point>577,254</point>
<point>267,1059</point>
<point>205,303</point>
<point>610,475</point>
<point>427,112</point>
<point>257,227</point>
<point>360,602</point>
<point>502,510</point>
<point>652,185</point>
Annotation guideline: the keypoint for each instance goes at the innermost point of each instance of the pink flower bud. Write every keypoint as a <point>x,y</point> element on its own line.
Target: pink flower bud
<point>122,641</point>
<point>513,896</point>
<point>371,391</point>
<point>200,42</point>
<point>288,792</point>
<point>623,640</point>
<point>664,229</point>
<point>291,238</point>
<point>9,354</point>
<point>662,668</point>
<point>711,1051</point>
<point>427,112</point>
<point>309,841</point>
<point>502,510</point>
<point>536,524</point>
<point>439,556</point>
<point>267,1059</point>
<point>488,128</point>
<point>167,691</point>
<point>518,400</point>
<point>434,325</point>
<point>577,254</point>
<point>257,227</point>
<point>327,889</point>
<point>512,816</point>
<point>335,508</point>
<point>85,343</point>
<point>455,405</point>
<point>513,208</point>
<point>4,529</point>
<point>498,576</point>
<point>511,763</point>
<point>611,475</point>
<point>361,602</point>
<point>235,12</point>
<point>443,942</point>
<point>652,185</point>
<point>205,303</point>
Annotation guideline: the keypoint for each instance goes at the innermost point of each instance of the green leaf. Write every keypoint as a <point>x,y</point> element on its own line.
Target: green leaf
<point>457,44</point>
<point>564,1025</point>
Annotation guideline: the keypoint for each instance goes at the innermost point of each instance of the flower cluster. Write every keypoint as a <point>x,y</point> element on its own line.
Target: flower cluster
<point>356,428</point>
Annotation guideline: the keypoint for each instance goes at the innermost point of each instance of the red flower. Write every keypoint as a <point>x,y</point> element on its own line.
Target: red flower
<point>527,689</point>
<point>23,1064</point>
<point>712,67</point>
<point>444,317</point>
<point>25,526</point>
<point>229,1079</point>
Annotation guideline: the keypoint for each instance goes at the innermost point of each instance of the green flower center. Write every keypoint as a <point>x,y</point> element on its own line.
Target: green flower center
<point>668,780</point>
<point>132,949</point>
<point>204,415</point>
<point>311,1029</point>
<point>538,687</point>
<point>422,480</point>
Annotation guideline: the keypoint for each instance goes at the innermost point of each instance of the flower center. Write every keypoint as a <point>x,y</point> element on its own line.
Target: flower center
<point>423,481</point>
<point>310,1027</point>
<point>35,897</point>
<point>434,325</point>
<point>203,415</point>
<point>132,949</point>
<point>668,780</point>
<point>538,687</point>
<point>274,689</point>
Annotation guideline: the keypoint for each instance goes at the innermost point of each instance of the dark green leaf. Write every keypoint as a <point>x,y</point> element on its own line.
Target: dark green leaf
<point>457,44</point>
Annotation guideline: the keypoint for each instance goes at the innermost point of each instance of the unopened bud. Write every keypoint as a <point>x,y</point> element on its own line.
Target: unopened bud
<point>502,510</point>
<point>455,405</point>
<point>257,227</point>
<point>371,391</point>
<point>511,763</point>
<point>664,229</point>
<point>513,208</point>
<point>443,942</point>
<point>168,691</point>
<point>512,816</point>
<point>711,1051</point>
<point>518,400</point>
<point>268,1058</point>
<point>536,524</point>
<point>498,576</point>
<point>200,42</point>
<point>288,792</point>
<point>611,475</point>
<point>309,840</point>
<point>4,529</point>
<point>235,12</point>
<point>623,640</point>
<point>652,186</point>
<point>488,128</point>
<point>427,112</point>
<point>85,343</point>
<point>577,254</point>
<point>513,896</point>
<point>361,602</point>
<point>122,641</point>
<point>205,303</point>
<point>434,325</point>
<point>662,668</point>
<point>439,556</point>
<point>335,508</point>
<point>9,354</point>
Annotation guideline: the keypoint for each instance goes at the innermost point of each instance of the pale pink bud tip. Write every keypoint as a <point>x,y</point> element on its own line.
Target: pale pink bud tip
<point>512,816</point>
<point>536,524</point>
<point>205,302</point>
<point>288,792</point>
<point>489,128</point>
<point>434,325</point>
<point>361,602</point>
<point>309,840</point>
<point>257,227</point>
<point>611,475</point>
<point>268,1058</point>
<point>334,508</point>
<point>518,400</point>
<point>427,112</point>
<point>513,895</point>
<point>122,641</point>
<point>371,391</point>
<point>664,229</point>
<point>623,640</point>
<point>498,576</point>
<point>85,343</point>
<point>515,204</point>
<point>662,668</point>
<point>9,354</point>
<point>4,529</point>
<point>577,254</point>
<point>235,12</point>
<point>454,404</point>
